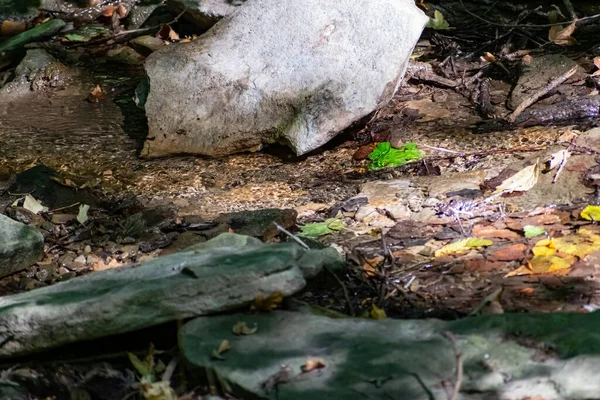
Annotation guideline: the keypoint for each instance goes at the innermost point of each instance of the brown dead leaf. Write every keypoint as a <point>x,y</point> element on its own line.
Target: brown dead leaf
<point>11,28</point>
<point>168,34</point>
<point>96,94</point>
<point>370,264</point>
<point>488,57</point>
<point>562,36</point>
<point>527,291</point>
<point>515,252</point>
<point>108,11</point>
<point>490,232</point>
<point>268,304</point>
<point>363,152</point>
<point>597,64</point>
<point>64,182</point>
<point>122,11</point>
<point>312,364</point>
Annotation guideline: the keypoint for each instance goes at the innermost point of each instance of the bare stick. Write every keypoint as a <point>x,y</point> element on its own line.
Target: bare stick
<point>487,21</point>
<point>540,93</point>
<point>459,366</point>
<point>291,235</point>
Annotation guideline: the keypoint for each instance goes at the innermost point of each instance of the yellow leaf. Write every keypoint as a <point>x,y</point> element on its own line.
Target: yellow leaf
<point>462,246</point>
<point>591,213</point>
<point>477,242</point>
<point>268,304</point>
<point>544,247</point>
<point>377,313</point>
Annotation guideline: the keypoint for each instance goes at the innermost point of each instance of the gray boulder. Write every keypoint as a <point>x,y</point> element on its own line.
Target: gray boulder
<point>293,71</point>
<point>227,272</point>
<point>20,246</point>
<point>299,356</point>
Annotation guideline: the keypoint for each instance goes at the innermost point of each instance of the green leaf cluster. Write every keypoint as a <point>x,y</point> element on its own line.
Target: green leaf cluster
<point>438,22</point>
<point>384,155</point>
<point>318,229</point>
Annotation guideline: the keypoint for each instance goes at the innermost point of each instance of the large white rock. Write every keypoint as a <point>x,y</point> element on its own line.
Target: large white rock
<point>295,71</point>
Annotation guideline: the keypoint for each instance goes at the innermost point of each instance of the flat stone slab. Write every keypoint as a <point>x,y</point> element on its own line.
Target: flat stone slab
<point>225,273</point>
<point>553,356</point>
<point>20,246</point>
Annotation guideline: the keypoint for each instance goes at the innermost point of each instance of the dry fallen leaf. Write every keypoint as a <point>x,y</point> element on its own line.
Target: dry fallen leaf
<point>591,213</point>
<point>370,264</point>
<point>33,205</point>
<point>167,33</point>
<point>597,64</point>
<point>11,28</point>
<point>242,329</point>
<point>268,304</point>
<point>462,246</point>
<point>312,364</point>
<point>489,57</point>
<point>108,11</point>
<point>223,347</point>
<point>557,255</point>
<point>96,94</point>
<point>122,11</point>
<point>562,36</point>
<point>377,313</point>
<point>522,181</point>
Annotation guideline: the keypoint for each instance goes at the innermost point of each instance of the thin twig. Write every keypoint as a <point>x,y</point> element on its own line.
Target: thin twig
<point>65,207</point>
<point>296,239</point>
<point>583,19</point>
<point>291,235</point>
<point>540,93</point>
<point>459,366</point>
<point>439,149</point>
<point>126,35</point>
<point>349,306</point>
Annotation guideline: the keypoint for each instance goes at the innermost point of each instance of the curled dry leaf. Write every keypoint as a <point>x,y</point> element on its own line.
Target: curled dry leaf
<point>11,28</point>
<point>377,313</point>
<point>463,246</point>
<point>489,57</point>
<point>167,33</point>
<point>122,11</point>
<point>242,329</point>
<point>562,36</point>
<point>96,94</point>
<point>522,181</point>
<point>312,364</point>
<point>224,346</point>
<point>597,64</point>
<point>268,304</point>
<point>31,204</point>
<point>108,11</point>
